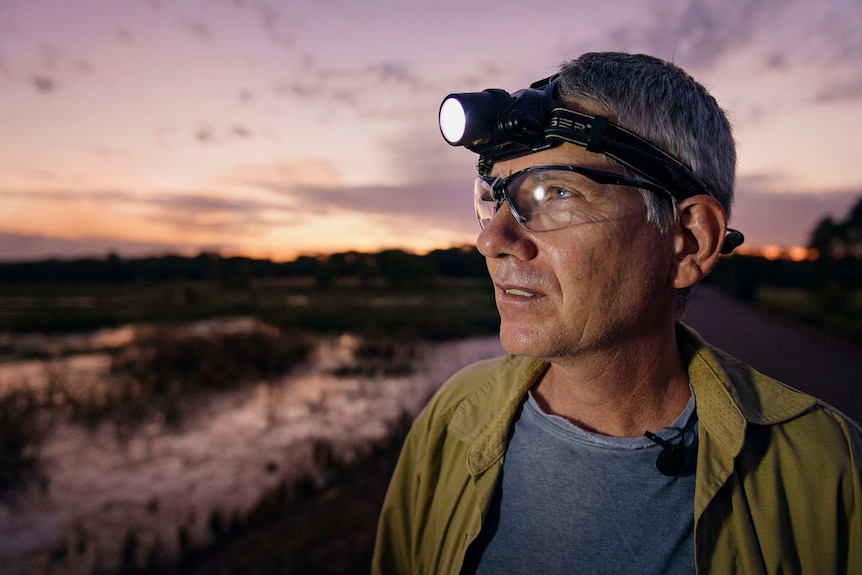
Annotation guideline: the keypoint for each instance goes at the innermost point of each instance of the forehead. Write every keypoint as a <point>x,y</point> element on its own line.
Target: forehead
<point>565,154</point>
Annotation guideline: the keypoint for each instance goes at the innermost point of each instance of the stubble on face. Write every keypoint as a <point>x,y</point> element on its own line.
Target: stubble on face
<point>580,288</point>
<point>588,288</point>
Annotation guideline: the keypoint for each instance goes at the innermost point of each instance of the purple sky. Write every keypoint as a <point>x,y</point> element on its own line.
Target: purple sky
<point>273,128</point>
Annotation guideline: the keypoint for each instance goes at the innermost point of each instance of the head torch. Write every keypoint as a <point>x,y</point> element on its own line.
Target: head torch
<point>499,126</point>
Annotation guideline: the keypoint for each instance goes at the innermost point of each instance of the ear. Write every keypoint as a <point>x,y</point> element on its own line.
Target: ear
<point>698,238</point>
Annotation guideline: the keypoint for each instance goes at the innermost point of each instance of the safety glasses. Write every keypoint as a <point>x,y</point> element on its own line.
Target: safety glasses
<point>545,198</point>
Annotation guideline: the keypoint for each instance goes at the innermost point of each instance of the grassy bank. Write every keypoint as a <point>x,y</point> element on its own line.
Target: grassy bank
<point>836,313</point>
<point>443,308</point>
<point>329,530</point>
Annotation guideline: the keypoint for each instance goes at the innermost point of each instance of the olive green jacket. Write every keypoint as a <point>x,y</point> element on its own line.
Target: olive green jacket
<point>779,474</point>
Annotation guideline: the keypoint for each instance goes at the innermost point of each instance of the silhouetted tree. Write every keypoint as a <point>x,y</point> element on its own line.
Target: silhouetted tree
<point>838,268</point>
<point>836,240</point>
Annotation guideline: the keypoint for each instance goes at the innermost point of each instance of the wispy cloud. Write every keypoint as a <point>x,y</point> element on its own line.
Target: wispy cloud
<point>191,211</point>
<point>271,20</point>
<point>381,88</point>
<point>700,34</point>
<point>440,203</point>
<point>43,84</point>
<point>849,90</point>
<point>696,33</point>
<point>198,29</point>
<point>28,247</point>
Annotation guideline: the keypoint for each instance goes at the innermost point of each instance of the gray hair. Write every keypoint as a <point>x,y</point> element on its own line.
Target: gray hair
<point>661,103</point>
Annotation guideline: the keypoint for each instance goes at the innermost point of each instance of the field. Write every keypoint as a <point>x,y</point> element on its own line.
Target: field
<point>835,313</point>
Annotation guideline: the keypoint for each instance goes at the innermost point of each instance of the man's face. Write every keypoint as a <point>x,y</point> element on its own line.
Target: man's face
<point>587,287</point>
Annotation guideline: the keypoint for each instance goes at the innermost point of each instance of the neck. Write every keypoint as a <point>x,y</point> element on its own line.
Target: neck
<point>620,392</point>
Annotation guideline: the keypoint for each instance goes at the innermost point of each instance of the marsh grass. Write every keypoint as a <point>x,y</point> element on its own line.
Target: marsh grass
<point>152,378</point>
<point>166,364</point>
<point>384,356</point>
<point>323,524</point>
<point>158,376</point>
<point>25,419</point>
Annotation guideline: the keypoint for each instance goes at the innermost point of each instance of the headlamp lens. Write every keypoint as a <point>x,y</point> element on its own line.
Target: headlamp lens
<point>453,120</point>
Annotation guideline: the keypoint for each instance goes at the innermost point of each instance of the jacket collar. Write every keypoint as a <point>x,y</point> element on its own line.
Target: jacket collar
<point>729,395</point>
<point>483,419</point>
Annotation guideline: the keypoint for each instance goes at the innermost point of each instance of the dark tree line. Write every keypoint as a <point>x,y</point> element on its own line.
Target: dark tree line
<point>397,267</point>
<point>837,269</point>
<point>831,277</point>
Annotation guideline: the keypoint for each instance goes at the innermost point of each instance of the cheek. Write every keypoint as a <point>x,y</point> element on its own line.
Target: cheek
<point>617,263</point>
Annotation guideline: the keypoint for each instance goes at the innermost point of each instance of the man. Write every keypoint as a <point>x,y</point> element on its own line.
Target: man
<point>613,439</point>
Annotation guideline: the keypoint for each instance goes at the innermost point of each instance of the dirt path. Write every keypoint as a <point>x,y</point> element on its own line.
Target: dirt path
<point>790,352</point>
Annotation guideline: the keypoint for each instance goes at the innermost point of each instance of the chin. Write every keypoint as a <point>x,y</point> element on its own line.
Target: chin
<point>518,340</point>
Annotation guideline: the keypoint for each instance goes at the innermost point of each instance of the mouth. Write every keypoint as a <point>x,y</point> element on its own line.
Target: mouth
<point>519,293</point>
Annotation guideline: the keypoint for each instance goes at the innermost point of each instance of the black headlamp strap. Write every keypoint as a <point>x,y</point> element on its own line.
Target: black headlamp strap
<point>598,135</point>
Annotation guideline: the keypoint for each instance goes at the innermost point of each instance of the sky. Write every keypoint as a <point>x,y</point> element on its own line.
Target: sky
<point>278,128</point>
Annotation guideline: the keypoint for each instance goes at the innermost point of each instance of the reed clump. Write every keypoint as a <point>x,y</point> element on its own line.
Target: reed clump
<point>25,419</point>
<point>164,366</point>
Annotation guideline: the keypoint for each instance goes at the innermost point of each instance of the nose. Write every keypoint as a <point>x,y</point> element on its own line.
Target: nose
<point>504,236</point>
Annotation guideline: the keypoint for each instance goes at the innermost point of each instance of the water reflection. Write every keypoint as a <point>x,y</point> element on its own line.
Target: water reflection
<point>162,490</point>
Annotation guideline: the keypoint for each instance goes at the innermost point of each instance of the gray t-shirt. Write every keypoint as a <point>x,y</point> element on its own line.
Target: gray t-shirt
<point>570,501</point>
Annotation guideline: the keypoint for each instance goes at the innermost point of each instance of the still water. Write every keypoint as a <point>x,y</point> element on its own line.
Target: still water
<point>163,488</point>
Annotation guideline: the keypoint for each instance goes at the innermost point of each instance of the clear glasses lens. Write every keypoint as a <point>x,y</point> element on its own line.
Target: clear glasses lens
<point>547,199</point>
<point>484,201</point>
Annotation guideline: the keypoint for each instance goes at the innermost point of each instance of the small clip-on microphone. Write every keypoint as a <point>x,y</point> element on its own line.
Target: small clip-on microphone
<point>672,456</point>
